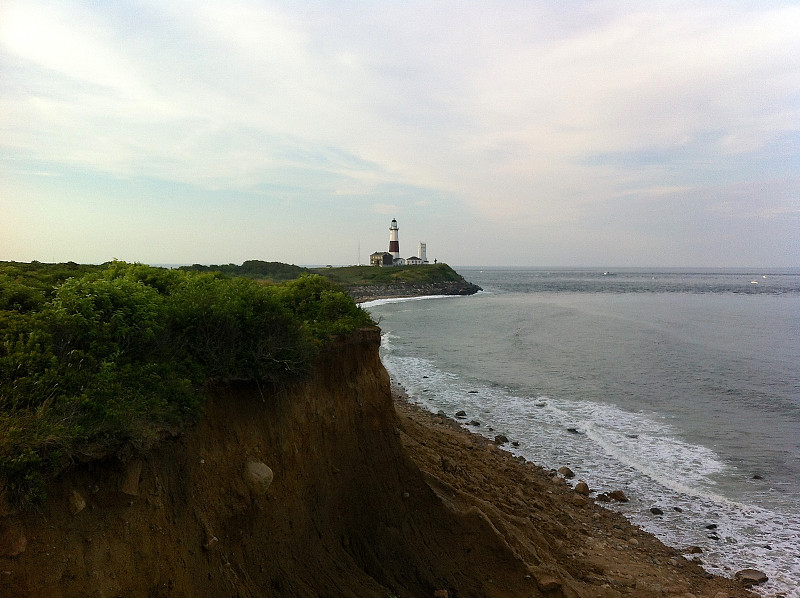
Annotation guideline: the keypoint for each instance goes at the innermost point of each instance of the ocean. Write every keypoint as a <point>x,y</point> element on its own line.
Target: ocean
<point>681,388</point>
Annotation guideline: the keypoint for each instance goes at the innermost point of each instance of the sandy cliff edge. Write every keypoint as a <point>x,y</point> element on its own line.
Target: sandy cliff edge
<point>363,497</point>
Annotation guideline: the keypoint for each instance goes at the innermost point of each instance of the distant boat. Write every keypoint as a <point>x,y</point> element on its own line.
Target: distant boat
<point>608,274</point>
<point>753,282</point>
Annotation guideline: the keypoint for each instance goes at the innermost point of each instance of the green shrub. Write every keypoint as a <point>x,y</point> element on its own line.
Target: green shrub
<point>237,329</point>
<point>325,309</point>
<point>120,354</point>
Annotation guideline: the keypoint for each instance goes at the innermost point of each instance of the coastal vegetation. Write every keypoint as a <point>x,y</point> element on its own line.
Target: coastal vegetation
<point>345,276</point>
<point>93,358</point>
<point>372,275</point>
<point>257,269</point>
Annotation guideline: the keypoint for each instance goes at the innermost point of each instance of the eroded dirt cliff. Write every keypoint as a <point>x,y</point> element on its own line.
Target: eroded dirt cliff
<point>348,511</point>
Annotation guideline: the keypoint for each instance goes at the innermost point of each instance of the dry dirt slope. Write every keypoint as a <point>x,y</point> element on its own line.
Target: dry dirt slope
<point>363,503</point>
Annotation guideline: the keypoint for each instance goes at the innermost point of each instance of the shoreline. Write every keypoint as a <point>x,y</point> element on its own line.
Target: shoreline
<point>537,511</point>
<point>404,290</point>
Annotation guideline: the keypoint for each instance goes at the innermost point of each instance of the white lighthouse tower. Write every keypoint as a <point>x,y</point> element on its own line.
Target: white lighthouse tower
<point>394,243</point>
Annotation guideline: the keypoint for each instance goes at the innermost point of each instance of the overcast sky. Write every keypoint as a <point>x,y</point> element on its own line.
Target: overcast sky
<point>609,133</point>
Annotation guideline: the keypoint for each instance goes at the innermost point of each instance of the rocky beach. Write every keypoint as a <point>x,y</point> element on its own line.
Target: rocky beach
<point>592,551</point>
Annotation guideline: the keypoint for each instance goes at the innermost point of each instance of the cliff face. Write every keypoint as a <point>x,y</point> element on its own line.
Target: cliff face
<point>312,491</point>
<point>346,514</point>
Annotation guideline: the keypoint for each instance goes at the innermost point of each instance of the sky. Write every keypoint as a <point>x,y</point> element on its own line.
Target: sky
<point>500,133</point>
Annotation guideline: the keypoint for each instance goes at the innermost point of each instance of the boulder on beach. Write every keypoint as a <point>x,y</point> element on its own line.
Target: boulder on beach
<point>566,472</point>
<point>579,500</point>
<point>751,577</point>
<point>656,511</point>
<point>500,439</point>
<point>618,495</point>
<point>582,488</point>
<point>461,414</point>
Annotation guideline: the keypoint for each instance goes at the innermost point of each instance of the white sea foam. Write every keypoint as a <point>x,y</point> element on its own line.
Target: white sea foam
<point>611,448</point>
<point>376,302</point>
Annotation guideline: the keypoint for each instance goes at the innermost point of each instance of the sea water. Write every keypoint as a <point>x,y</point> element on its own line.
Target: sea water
<point>681,388</point>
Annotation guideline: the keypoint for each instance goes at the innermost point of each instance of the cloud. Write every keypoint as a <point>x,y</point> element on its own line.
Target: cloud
<point>386,209</point>
<point>508,114</point>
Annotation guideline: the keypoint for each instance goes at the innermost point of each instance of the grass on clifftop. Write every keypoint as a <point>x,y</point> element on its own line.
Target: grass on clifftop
<point>119,354</point>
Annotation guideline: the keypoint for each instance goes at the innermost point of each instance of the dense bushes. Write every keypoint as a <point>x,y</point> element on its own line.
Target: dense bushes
<point>118,355</point>
<point>273,271</point>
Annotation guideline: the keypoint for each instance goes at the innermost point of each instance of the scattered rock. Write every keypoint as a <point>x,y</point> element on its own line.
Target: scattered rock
<point>12,541</point>
<point>603,497</point>
<point>693,550</point>
<point>541,404</point>
<point>76,502</point>
<point>677,509</point>
<point>441,413</point>
<point>130,479</point>
<point>258,475</point>
<point>573,430</point>
<point>751,577</point>
<point>514,443</point>
<point>449,466</point>
<point>566,472</point>
<point>500,439</point>
<point>632,435</point>
<point>618,495</point>
<point>579,500</point>
<point>757,476</point>
<point>474,422</point>
<point>711,526</point>
<point>211,542</point>
<point>582,488</point>
<point>461,414</point>
<point>473,392</point>
<point>656,511</point>
<point>548,583</point>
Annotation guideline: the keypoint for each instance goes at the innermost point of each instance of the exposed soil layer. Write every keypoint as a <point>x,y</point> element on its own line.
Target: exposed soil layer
<point>368,497</point>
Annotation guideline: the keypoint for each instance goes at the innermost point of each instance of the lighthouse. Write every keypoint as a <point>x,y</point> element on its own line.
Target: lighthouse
<point>394,243</point>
